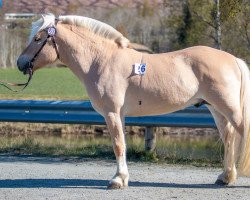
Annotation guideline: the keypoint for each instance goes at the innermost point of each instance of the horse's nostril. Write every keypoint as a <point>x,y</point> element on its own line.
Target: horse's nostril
<point>23,62</point>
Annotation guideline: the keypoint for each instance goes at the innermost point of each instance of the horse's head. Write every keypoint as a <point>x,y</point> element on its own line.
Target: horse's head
<point>42,49</point>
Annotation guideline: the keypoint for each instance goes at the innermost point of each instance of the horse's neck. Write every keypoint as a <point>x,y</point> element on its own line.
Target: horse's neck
<point>81,54</point>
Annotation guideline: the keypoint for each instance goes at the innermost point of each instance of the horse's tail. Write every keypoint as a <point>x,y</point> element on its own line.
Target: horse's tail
<point>244,148</point>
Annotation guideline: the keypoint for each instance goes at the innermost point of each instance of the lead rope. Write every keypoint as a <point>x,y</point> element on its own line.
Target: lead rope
<point>7,84</point>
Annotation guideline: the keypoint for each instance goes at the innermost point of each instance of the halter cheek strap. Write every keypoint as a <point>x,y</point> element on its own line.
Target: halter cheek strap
<point>51,33</point>
<point>56,49</point>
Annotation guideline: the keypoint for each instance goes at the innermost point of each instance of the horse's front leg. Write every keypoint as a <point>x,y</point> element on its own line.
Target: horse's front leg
<point>116,128</point>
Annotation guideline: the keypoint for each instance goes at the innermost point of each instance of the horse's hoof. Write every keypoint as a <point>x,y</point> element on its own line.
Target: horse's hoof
<point>114,185</point>
<point>220,182</point>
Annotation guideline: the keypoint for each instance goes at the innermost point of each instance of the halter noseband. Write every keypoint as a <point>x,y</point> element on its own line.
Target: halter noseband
<point>51,32</point>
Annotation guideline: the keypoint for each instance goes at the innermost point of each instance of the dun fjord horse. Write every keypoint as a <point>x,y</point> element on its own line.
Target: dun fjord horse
<point>123,82</point>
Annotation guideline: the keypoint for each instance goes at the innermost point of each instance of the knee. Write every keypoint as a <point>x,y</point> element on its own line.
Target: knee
<point>119,148</point>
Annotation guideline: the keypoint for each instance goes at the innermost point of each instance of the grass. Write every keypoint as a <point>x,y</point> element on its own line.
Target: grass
<point>197,153</point>
<point>56,146</point>
<point>46,84</point>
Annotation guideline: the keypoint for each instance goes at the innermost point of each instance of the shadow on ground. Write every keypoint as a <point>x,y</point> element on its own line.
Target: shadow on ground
<point>97,184</point>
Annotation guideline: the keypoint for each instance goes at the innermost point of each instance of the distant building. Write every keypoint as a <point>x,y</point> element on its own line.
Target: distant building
<point>13,20</point>
<point>18,16</point>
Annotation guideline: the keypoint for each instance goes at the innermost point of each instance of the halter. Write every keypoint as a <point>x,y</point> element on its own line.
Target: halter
<point>51,31</point>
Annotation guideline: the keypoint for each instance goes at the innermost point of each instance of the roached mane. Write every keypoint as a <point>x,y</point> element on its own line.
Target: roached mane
<point>93,25</point>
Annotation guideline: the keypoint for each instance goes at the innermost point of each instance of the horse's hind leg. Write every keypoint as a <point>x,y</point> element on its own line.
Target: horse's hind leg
<point>115,123</point>
<point>228,135</point>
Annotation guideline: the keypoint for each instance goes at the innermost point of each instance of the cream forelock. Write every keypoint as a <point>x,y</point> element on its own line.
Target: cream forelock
<point>42,23</point>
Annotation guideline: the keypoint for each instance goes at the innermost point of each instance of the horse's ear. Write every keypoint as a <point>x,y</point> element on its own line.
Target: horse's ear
<point>122,42</point>
<point>43,16</point>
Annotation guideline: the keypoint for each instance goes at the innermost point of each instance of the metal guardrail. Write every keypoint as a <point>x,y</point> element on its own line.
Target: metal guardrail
<point>81,112</point>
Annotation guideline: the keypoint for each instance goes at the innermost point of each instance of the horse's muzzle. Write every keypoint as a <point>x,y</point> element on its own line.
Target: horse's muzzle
<point>24,64</point>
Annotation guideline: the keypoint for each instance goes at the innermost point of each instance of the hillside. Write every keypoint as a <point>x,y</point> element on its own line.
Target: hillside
<point>71,6</point>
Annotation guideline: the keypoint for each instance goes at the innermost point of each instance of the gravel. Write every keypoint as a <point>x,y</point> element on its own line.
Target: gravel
<point>56,178</point>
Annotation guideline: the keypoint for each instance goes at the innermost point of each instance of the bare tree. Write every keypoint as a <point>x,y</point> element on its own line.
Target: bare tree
<point>218,25</point>
<point>3,49</point>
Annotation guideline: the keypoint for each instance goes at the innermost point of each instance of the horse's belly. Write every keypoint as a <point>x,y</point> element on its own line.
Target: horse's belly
<point>151,104</point>
<point>151,110</point>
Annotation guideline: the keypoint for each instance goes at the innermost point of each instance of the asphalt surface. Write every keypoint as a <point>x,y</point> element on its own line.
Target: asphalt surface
<point>52,178</point>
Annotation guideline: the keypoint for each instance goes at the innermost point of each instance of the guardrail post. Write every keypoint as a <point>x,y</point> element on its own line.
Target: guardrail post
<point>150,139</point>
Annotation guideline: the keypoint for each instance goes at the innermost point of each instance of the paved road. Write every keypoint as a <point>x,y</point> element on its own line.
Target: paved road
<point>43,178</point>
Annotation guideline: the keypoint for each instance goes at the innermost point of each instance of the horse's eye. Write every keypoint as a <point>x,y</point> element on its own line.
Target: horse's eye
<point>37,39</point>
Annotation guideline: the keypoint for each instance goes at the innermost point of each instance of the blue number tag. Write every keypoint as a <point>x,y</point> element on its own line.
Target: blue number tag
<point>52,31</point>
<point>140,68</point>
